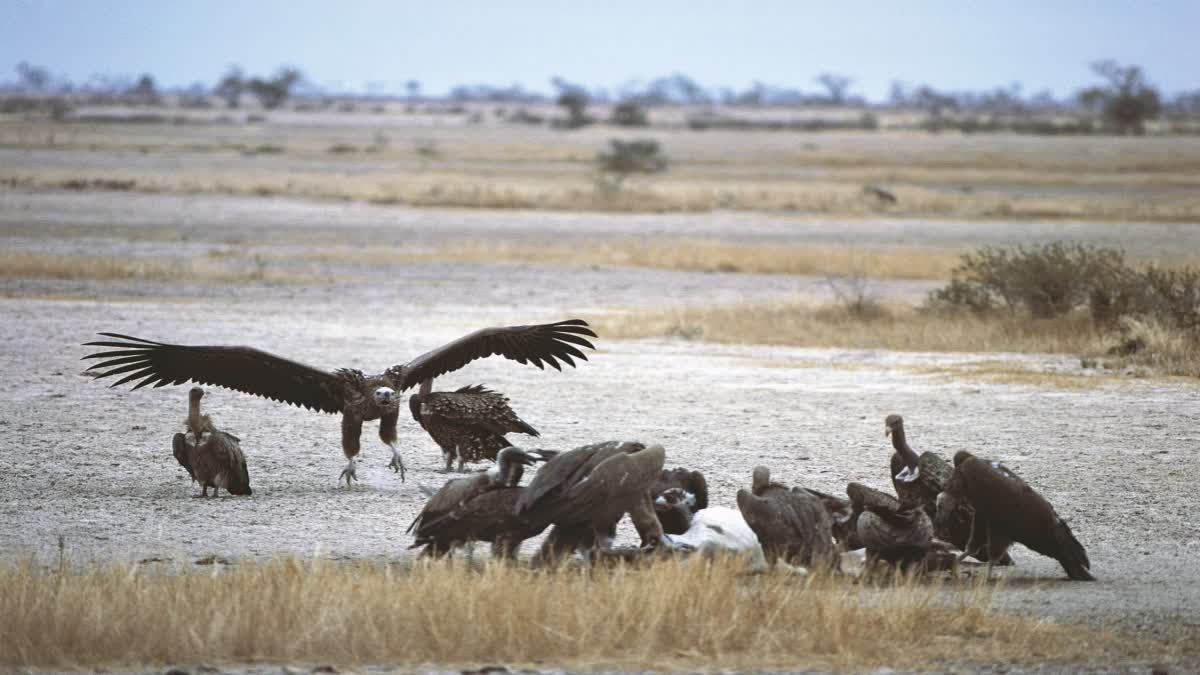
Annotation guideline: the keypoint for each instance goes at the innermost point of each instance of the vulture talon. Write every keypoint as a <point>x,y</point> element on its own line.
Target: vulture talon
<point>348,473</point>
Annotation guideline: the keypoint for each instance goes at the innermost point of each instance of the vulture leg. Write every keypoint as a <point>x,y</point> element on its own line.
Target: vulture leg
<point>988,529</point>
<point>351,430</point>
<point>646,521</point>
<point>449,455</point>
<point>204,490</point>
<point>387,434</point>
<point>970,543</point>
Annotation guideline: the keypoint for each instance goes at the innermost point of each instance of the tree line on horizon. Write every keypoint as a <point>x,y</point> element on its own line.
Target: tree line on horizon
<point>1124,97</point>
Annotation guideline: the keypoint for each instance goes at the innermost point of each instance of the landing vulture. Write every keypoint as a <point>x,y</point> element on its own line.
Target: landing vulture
<point>468,423</point>
<point>919,479</point>
<point>211,457</point>
<point>1013,511</point>
<point>585,492</point>
<point>479,508</point>
<point>357,397</point>
<point>791,525</point>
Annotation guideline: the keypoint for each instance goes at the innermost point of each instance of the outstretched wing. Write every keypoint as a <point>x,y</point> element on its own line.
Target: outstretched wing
<point>546,343</point>
<point>239,368</point>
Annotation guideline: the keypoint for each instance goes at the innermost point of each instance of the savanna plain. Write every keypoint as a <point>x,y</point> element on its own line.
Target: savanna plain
<point>759,302</point>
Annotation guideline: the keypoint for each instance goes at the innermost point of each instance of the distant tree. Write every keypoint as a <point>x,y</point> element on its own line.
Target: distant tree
<point>32,78</point>
<point>574,99</point>
<point>629,114</point>
<point>231,87</point>
<point>1126,100</point>
<point>837,85</point>
<point>413,88</point>
<point>273,92</point>
<point>145,92</point>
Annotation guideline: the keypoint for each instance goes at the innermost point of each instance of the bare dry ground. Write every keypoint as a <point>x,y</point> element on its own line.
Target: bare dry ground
<point>91,464</point>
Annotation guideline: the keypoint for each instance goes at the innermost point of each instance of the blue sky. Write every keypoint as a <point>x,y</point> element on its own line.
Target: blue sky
<point>953,45</point>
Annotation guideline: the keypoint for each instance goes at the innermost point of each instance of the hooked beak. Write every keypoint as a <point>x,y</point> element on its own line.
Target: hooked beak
<point>887,432</point>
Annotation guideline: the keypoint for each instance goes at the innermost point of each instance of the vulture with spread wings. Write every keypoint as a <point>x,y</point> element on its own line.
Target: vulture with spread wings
<point>357,397</point>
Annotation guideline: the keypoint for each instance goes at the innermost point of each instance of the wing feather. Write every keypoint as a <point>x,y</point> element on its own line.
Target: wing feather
<point>243,369</point>
<point>536,345</point>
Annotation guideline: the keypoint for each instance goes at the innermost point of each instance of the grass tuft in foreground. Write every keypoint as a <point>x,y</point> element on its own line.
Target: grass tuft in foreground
<point>669,615</point>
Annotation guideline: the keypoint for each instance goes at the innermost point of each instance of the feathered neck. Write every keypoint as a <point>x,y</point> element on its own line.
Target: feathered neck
<point>900,443</point>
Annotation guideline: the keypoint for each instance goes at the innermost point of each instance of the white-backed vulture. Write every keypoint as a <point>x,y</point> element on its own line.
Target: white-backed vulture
<point>468,423</point>
<point>1014,511</point>
<point>919,479</point>
<point>791,525</point>
<point>478,508</point>
<point>211,457</point>
<point>585,492</point>
<point>678,494</point>
<point>357,397</point>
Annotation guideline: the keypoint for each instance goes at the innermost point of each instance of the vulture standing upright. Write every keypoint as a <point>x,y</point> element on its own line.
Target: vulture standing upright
<point>211,457</point>
<point>790,524</point>
<point>919,479</point>
<point>1011,510</point>
<point>678,494</point>
<point>468,423</point>
<point>357,397</point>
<point>584,493</point>
<point>479,508</point>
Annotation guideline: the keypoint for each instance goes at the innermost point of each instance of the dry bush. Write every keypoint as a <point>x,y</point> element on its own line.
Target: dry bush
<point>667,616</point>
<point>1141,342</point>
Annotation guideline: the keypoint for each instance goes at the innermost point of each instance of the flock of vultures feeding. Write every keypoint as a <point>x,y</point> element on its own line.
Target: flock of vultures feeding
<point>941,513</point>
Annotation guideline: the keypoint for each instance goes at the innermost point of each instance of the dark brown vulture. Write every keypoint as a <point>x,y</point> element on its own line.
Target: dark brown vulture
<point>468,423</point>
<point>843,519</point>
<point>211,457</point>
<point>585,492</point>
<point>790,524</point>
<point>919,479</point>
<point>888,530</point>
<point>479,508</point>
<point>1013,511</point>
<point>357,397</point>
<point>678,494</point>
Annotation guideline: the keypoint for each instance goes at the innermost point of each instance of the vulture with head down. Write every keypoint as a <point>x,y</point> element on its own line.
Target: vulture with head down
<point>468,424</point>
<point>678,495</point>
<point>585,492</point>
<point>1011,510</point>
<point>479,508</point>
<point>355,396</point>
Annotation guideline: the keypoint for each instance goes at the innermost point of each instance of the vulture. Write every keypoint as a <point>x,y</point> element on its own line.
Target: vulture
<point>350,393</point>
<point>479,508</point>
<point>887,529</point>
<point>585,492</point>
<point>919,479</point>
<point>678,494</point>
<point>790,524</point>
<point>211,457</point>
<point>468,423</point>
<point>1011,510</point>
<point>843,519</point>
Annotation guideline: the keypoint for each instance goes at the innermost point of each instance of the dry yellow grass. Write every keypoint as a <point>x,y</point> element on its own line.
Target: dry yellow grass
<point>666,616</point>
<point>690,254</point>
<point>25,265</point>
<point>897,327</point>
<point>572,188</point>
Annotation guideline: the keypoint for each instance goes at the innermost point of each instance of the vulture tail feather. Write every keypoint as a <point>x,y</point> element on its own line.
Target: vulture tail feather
<point>1072,555</point>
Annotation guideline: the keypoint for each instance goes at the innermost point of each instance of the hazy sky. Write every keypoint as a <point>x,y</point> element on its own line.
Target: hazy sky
<point>958,44</point>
